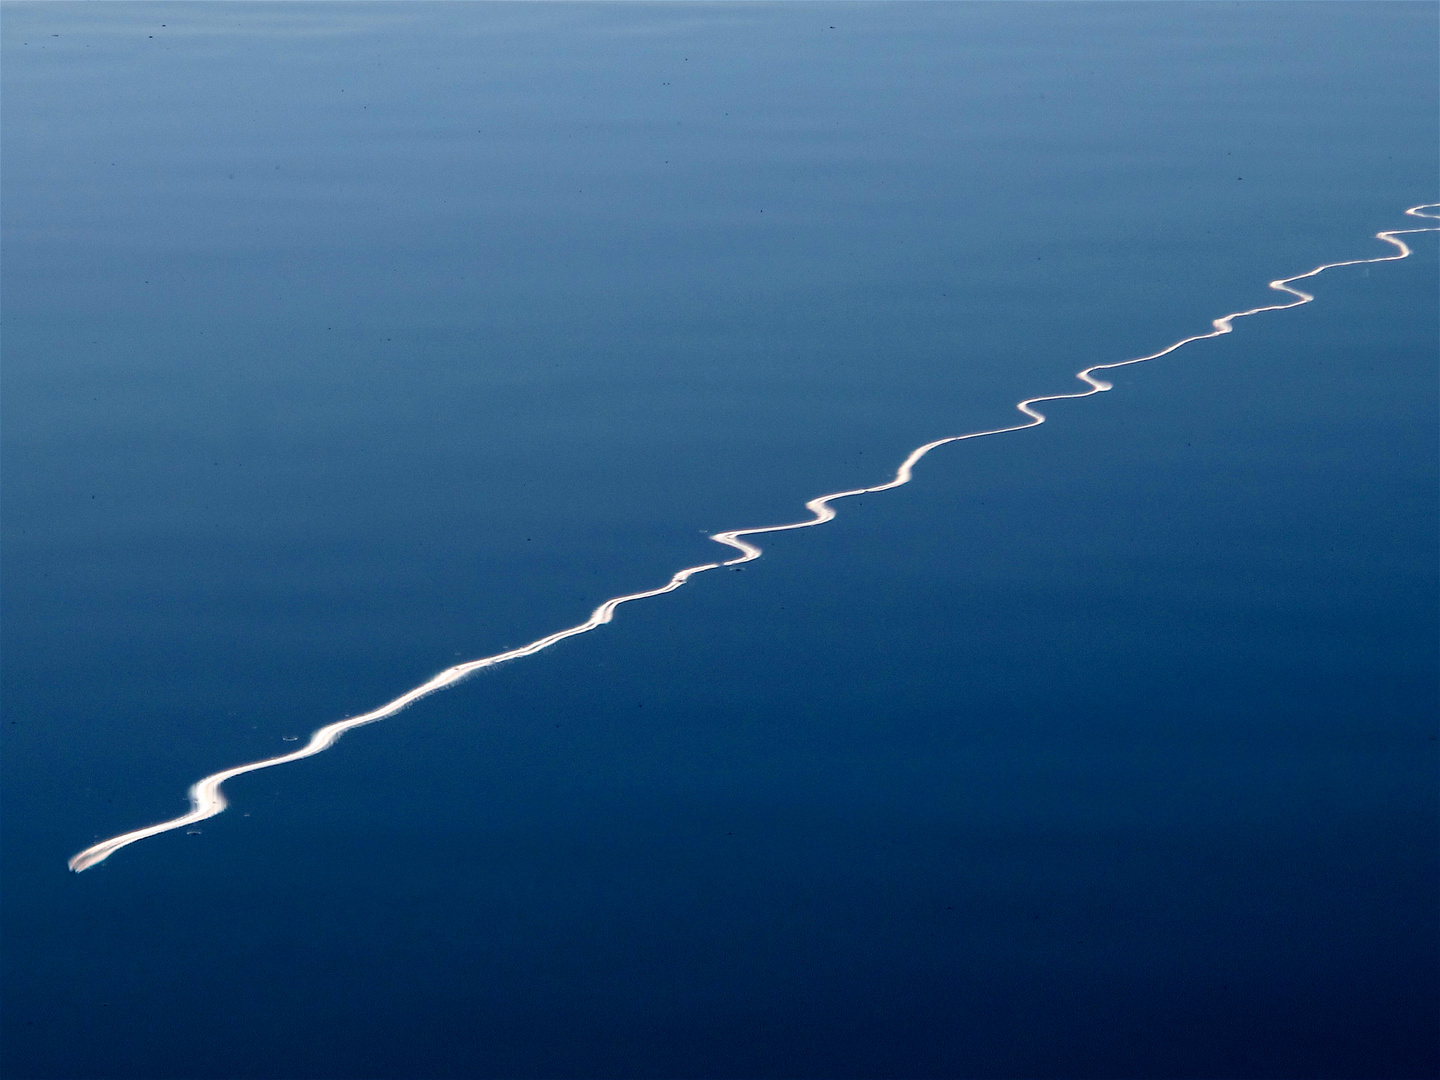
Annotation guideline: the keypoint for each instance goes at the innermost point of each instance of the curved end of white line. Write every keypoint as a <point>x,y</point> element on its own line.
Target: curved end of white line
<point>98,853</point>
<point>83,861</point>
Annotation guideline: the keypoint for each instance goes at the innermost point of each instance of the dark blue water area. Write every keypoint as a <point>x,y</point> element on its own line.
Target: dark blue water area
<point>344,342</point>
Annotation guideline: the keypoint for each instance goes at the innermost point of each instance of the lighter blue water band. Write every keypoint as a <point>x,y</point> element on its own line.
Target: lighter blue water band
<point>207,800</point>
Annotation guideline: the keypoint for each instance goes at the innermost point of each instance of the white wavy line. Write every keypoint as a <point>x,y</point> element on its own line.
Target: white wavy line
<point>207,800</point>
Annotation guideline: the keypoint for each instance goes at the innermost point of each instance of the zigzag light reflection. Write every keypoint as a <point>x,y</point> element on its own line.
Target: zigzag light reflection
<point>207,800</point>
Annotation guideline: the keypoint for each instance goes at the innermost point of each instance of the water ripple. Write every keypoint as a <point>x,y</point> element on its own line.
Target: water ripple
<point>207,800</point>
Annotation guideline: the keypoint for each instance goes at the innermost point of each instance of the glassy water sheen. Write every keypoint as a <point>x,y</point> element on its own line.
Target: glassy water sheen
<point>347,342</point>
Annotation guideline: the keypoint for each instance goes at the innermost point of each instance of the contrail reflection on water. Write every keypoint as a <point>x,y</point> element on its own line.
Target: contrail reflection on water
<point>207,800</point>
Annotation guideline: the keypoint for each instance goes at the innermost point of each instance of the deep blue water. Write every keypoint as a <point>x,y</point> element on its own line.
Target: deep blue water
<point>343,342</point>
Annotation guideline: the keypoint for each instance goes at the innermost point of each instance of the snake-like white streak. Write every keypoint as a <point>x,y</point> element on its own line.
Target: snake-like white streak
<point>207,800</point>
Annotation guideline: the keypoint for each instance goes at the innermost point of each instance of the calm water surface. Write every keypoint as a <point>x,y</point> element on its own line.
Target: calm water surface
<point>346,341</point>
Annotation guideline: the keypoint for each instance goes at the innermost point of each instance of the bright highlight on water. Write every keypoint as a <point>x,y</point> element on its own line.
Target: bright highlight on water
<point>207,799</point>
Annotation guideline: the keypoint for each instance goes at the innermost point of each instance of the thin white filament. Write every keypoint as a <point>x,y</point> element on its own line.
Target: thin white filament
<point>207,800</point>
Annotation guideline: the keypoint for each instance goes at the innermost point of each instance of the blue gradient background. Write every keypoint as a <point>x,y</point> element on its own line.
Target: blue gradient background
<point>345,341</point>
